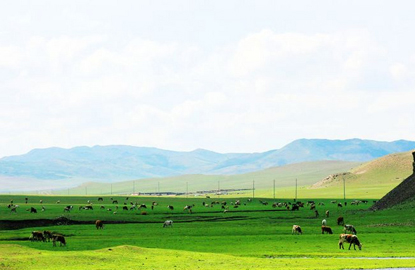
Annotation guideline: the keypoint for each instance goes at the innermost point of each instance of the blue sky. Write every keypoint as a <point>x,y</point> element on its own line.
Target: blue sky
<point>239,76</point>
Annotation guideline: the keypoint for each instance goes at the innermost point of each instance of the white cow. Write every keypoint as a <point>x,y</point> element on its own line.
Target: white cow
<point>168,223</point>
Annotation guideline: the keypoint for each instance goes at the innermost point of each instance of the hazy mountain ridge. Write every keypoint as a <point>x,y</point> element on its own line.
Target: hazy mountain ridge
<point>120,162</point>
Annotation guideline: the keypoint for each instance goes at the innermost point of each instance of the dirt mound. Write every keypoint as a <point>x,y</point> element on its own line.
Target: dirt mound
<point>403,192</point>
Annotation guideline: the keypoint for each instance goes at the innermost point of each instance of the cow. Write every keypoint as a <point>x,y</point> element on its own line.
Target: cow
<point>168,223</point>
<point>317,214</point>
<point>100,199</point>
<point>170,207</point>
<point>324,222</point>
<point>349,228</point>
<point>339,205</point>
<point>88,207</point>
<point>296,230</point>
<point>188,208</point>
<point>327,213</point>
<point>125,208</point>
<point>295,207</point>
<point>326,229</point>
<point>68,208</point>
<point>47,235</point>
<point>99,224</point>
<point>32,210</point>
<point>37,236</point>
<point>58,238</point>
<point>340,221</point>
<point>351,239</point>
<point>115,202</point>
<point>14,208</point>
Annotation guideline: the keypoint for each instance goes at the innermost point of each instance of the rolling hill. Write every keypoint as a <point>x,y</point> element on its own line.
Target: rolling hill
<point>116,163</point>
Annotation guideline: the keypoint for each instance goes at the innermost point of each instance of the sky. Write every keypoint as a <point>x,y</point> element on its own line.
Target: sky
<point>228,76</point>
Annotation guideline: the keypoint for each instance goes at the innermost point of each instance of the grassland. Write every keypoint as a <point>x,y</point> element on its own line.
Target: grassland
<point>252,236</point>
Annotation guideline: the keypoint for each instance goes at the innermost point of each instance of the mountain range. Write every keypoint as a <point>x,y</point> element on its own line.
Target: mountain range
<point>121,162</point>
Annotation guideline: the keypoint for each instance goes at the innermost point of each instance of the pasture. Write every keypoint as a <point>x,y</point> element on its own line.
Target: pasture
<point>254,235</point>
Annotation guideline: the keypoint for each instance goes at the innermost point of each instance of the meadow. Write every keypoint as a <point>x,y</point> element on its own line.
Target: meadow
<point>252,236</point>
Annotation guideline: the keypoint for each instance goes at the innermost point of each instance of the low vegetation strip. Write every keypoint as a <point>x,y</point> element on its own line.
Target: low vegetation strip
<point>13,257</point>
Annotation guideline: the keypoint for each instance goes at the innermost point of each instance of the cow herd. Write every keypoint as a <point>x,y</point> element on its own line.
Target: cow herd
<point>348,234</point>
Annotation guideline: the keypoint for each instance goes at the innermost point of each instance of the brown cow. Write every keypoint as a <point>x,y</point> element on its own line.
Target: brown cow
<point>340,221</point>
<point>37,236</point>
<point>48,235</point>
<point>326,229</point>
<point>59,238</point>
<point>99,224</point>
<point>349,238</point>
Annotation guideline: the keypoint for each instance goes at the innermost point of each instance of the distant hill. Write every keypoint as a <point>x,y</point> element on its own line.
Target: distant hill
<point>119,162</point>
<point>404,193</point>
<point>307,173</point>
<point>374,178</point>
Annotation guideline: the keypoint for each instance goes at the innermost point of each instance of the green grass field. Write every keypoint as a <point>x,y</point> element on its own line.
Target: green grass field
<point>252,236</point>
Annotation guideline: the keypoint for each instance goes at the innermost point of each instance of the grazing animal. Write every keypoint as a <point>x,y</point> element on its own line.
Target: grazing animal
<point>317,214</point>
<point>340,221</point>
<point>68,208</point>
<point>58,238</point>
<point>170,207</point>
<point>188,208</point>
<point>99,224</point>
<point>324,222</point>
<point>296,230</point>
<point>168,223</point>
<point>47,235</point>
<point>125,208</point>
<point>88,207</point>
<point>326,229</point>
<point>41,201</point>
<point>100,199</point>
<point>37,236</point>
<point>339,205</point>
<point>115,202</point>
<point>351,239</point>
<point>295,207</point>
<point>327,213</point>
<point>13,209</point>
<point>32,210</point>
<point>349,228</point>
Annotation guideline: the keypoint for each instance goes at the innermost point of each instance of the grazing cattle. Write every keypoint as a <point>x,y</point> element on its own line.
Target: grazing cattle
<point>47,235</point>
<point>58,238</point>
<point>115,202</point>
<point>99,224</point>
<point>340,221</point>
<point>324,222</point>
<point>168,223</point>
<point>170,207</point>
<point>37,236</point>
<point>88,207</point>
<point>339,205</point>
<point>313,207</point>
<point>68,208</point>
<point>327,213</point>
<point>326,229</point>
<point>100,199</point>
<point>58,201</point>
<point>351,239</point>
<point>142,206</point>
<point>317,214</point>
<point>188,208</point>
<point>125,208</point>
<point>32,210</point>
<point>14,209</point>
<point>41,201</point>
<point>349,228</point>
<point>43,209</point>
<point>296,230</point>
<point>295,207</point>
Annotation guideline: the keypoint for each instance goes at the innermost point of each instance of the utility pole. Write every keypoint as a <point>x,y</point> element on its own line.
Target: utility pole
<point>295,190</point>
<point>274,189</point>
<point>344,188</point>
<point>253,189</point>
